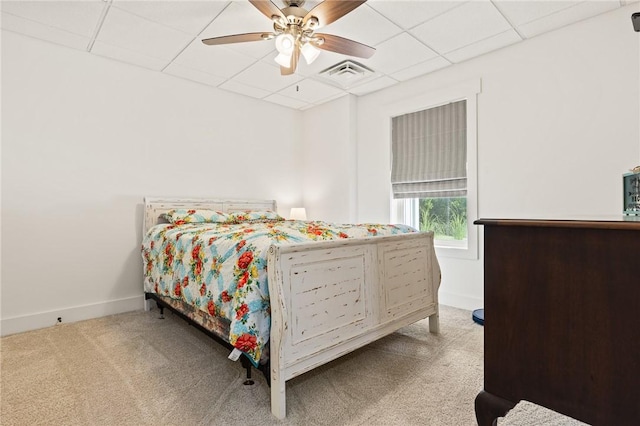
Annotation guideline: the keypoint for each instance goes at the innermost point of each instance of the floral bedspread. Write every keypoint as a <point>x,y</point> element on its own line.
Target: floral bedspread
<point>221,269</point>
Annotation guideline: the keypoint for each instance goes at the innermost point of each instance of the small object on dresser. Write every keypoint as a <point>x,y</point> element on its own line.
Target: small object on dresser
<point>631,192</point>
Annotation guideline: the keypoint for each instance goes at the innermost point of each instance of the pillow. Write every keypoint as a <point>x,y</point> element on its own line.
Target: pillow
<point>180,216</point>
<point>250,216</point>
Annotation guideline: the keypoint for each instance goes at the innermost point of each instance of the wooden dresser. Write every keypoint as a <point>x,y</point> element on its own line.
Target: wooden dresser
<point>562,318</point>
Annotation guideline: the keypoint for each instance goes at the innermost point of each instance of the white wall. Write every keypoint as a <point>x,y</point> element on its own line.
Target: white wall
<point>84,139</point>
<point>557,127</point>
<point>329,159</point>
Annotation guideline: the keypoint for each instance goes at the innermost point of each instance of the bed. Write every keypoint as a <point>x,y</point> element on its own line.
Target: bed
<point>301,293</point>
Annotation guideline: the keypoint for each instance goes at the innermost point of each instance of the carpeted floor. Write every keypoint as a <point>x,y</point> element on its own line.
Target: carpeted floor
<point>135,369</point>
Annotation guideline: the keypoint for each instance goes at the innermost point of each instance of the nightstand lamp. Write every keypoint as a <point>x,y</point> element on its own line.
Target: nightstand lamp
<point>298,213</point>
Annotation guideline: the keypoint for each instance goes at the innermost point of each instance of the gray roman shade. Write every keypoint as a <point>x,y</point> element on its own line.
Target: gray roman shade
<point>429,151</point>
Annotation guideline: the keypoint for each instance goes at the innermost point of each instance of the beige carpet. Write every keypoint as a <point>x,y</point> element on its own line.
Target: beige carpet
<point>135,369</point>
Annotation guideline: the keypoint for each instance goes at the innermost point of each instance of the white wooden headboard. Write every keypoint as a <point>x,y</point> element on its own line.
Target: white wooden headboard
<point>155,207</point>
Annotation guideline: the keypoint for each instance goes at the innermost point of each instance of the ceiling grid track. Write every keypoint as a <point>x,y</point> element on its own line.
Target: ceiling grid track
<point>197,36</point>
<point>103,16</point>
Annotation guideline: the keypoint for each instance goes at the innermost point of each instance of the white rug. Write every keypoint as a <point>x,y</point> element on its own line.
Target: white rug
<point>526,413</point>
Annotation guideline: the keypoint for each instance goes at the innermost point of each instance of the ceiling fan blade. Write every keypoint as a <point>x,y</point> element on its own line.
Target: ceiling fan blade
<point>345,46</point>
<point>331,10</point>
<point>238,38</point>
<point>295,56</point>
<point>268,8</point>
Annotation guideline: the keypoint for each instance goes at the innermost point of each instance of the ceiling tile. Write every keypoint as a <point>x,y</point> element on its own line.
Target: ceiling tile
<point>409,13</point>
<point>221,61</point>
<point>487,45</point>
<point>238,18</point>
<point>521,12</point>
<point>188,16</point>
<point>140,35</point>
<point>461,26</point>
<point>43,32</point>
<point>310,91</point>
<point>129,56</point>
<point>77,17</point>
<point>421,68</point>
<point>331,98</point>
<point>285,101</point>
<point>243,89</point>
<point>400,52</point>
<point>265,76</point>
<point>363,25</point>
<point>583,10</point>
<point>193,75</point>
<point>372,86</point>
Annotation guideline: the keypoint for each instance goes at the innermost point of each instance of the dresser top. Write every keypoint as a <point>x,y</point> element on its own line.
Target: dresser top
<point>617,222</point>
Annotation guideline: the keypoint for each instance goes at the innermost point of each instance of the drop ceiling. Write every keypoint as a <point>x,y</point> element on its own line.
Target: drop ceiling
<point>411,38</point>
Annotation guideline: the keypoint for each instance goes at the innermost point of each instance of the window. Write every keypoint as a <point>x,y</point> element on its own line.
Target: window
<point>446,217</point>
<point>433,169</point>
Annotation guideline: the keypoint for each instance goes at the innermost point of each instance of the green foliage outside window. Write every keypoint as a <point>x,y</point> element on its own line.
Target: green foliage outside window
<point>446,217</point>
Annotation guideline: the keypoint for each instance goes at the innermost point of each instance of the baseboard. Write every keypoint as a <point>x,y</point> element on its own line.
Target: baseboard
<point>78,313</point>
<point>460,301</point>
<point>20,324</point>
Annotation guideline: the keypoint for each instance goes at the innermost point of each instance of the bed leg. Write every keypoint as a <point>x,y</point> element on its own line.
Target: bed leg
<point>278,396</point>
<point>434,323</point>
<point>161,310</point>
<point>247,365</point>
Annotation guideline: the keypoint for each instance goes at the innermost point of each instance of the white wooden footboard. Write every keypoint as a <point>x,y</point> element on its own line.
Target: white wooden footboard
<point>329,298</point>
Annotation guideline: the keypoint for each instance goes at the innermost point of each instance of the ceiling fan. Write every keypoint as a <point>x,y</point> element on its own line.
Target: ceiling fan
<point>294,32</point>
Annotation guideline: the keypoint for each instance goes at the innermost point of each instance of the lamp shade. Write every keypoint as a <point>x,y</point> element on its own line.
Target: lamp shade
<point>284,43</point>
<point>310,52</point>
<point>298,213</point>
<point>283,60</point>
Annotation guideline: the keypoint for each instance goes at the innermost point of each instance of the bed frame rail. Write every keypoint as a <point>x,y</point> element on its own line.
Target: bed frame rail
<point>246,363</point>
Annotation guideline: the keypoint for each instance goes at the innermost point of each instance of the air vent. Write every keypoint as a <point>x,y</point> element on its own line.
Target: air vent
<point>347,73</point>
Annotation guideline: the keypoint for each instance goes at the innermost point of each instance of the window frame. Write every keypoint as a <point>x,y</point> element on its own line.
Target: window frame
<point>468,90</point>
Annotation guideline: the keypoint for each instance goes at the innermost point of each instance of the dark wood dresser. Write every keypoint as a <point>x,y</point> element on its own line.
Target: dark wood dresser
<point>562,318</point>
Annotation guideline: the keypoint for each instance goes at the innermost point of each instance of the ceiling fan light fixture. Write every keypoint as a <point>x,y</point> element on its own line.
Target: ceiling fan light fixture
<point>283,60</point>
<point>294,31</point>
<point>310,52</point>
<point>311,23</point>
<point>278,20</point>
<point>284,43</point>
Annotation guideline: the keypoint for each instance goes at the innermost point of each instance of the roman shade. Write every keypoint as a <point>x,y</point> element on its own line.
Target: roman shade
<point>429,152</point>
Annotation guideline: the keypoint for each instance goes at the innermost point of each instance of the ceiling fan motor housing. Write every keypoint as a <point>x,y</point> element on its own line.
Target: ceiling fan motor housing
<point>297,3</point>
<point>295,24</point>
